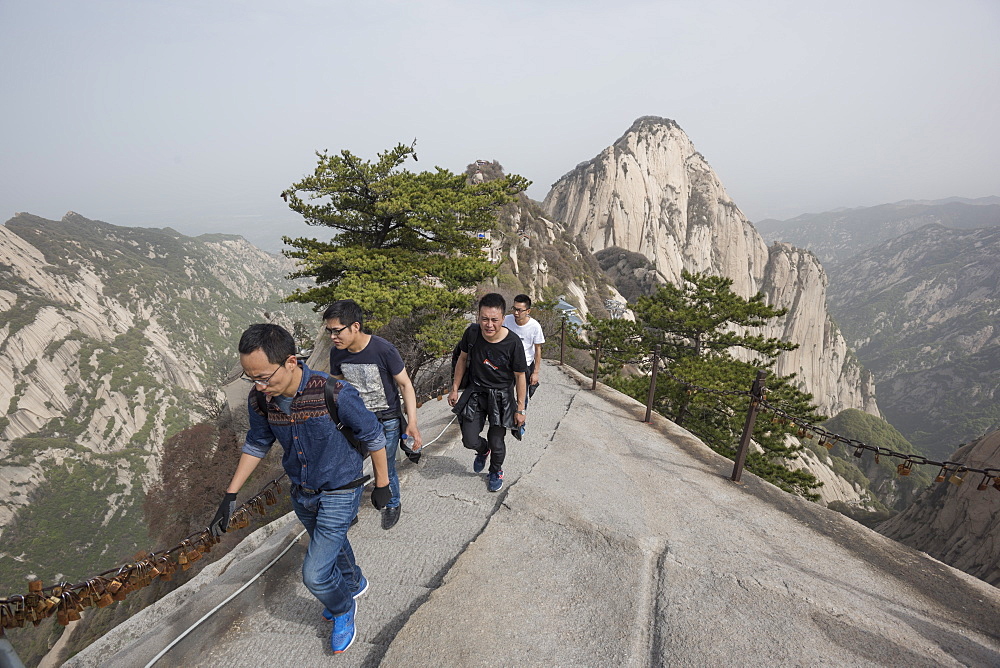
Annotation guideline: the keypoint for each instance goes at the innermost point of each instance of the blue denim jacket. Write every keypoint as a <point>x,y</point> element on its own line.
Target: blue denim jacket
<point>316,454</point>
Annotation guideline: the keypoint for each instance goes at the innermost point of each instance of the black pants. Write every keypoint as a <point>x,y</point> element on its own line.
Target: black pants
<point>494,441</point>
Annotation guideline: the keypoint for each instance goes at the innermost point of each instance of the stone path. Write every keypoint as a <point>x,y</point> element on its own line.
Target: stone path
<point>613,543</point>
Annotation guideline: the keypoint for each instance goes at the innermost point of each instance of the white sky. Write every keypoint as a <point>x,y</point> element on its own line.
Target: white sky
<point>197,115</point>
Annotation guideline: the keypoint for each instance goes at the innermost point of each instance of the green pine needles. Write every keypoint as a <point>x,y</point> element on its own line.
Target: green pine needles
<point>405,245</point>
<point>700,325</point>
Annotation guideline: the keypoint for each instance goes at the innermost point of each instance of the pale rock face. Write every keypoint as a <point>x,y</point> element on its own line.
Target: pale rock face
<point>835,488</point>
<point>652,193</point>
<point>41,358</point>
<point>958,524</point>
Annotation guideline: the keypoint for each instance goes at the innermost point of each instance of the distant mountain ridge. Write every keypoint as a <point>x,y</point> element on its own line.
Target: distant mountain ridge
<point>838,234</point>
<point>108,337</point>
<point>923,311</point>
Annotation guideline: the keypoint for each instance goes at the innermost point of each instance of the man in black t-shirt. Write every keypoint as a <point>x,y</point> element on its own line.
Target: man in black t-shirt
<point>495,359</point>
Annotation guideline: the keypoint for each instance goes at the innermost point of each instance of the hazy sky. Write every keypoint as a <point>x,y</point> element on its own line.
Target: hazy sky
<point>197,115</point>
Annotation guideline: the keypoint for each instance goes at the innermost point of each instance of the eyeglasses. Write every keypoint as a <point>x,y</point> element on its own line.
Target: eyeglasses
<point>335,331</point>
<point>263,383</point>
<point>520,310</point>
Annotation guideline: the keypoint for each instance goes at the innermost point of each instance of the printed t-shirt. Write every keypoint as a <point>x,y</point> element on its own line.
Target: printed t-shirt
<point>371,371</point>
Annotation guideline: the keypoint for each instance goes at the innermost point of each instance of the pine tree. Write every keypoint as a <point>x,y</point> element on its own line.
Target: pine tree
<point>699,326</point>
<point>406,245</point>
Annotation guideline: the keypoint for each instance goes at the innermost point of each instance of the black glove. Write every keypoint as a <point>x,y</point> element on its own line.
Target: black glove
<point>381,497</point>
<point>226,509</point>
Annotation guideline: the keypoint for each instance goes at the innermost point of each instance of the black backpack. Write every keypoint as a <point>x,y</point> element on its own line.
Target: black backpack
<point>331,391</point>
<point>458,351</point>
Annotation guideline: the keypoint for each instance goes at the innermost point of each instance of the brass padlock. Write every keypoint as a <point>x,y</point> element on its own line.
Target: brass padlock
<point>984,483</point>
<point>183,561</point>
<point>193,556</point>
<point>62,617</point>
<point>105,600</point>
<point>941,474</point>
<point>904,468</point>
<point>956,478</point>
<point>113,586</point>
<point>50,603</point>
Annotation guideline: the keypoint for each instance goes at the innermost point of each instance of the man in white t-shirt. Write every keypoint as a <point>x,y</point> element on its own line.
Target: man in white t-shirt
<point>521,323</point>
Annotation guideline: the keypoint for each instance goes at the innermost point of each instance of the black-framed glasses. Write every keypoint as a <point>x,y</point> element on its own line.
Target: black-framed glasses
<point>263,382</point>
<point>520,310</point>
<point>335,331</point>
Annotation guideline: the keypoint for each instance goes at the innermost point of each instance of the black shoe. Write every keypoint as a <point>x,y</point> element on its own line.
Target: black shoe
<point>353,522</point>
<point>390,516</point>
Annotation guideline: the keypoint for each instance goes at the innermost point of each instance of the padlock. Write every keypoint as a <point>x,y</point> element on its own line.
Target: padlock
<point>193,556</point>
<point>861,450</point>
<point>956,478</point>
<point>105,600</point>
<point>984,483</point>
<point>113,586</point>
<point>941,474</point>
<point>183,561</point>
<point>62,617</point>
<point>904,468</point>
<point>18,610</point>
<point>50,603</point>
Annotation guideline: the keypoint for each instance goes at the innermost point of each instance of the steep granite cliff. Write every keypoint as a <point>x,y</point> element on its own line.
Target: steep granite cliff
<point>652,193</point>
<point>958,524</point>
<point>108,338</point>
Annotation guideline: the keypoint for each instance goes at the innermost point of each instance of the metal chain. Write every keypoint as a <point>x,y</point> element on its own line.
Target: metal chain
<point>66,600</point>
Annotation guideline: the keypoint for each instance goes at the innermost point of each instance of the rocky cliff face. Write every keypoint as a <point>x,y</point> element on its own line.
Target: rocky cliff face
<point>652,193</point>
<point>923,311</point>
<point>958,524</point>
<point>108,335</point>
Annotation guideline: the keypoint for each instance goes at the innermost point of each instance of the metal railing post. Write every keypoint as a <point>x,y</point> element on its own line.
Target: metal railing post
<point>756,396</point>
<point>597,364</point>
<point>652,384</point>
<point>562,341</point>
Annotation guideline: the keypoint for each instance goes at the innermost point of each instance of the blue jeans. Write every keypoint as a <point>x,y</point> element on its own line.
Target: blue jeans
<point>391,429</point>
<point>329,570</point>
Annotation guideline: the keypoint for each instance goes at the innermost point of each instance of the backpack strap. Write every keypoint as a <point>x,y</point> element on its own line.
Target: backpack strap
<point>332,392</point>
<point>261,401</point>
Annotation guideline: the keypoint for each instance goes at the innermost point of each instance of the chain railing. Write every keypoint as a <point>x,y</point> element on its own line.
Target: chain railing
<point>954,472</point>
<point>66,601</point>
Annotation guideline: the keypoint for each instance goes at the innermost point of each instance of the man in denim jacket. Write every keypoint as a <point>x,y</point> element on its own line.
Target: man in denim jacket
<point>324,468</point>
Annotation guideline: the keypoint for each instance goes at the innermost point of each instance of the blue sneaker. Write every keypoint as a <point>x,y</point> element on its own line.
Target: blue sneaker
<point>362,588</point>
<point>479,463</point>
<point>343,633</point>
<point>496,481</point>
